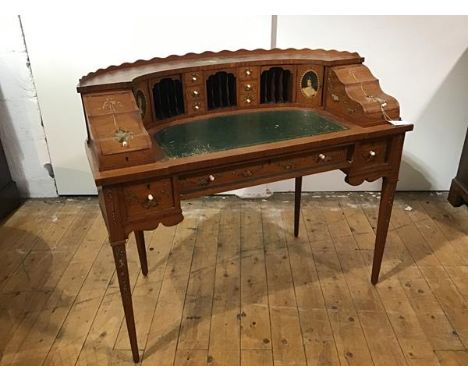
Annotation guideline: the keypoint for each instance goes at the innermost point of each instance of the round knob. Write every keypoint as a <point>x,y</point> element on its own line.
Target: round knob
<point>248,100</point>
<point>150,197</point>
<point>372,154</point>
<point>322,156</point>
<point>195,93</point>
<point>194,78</point>
<point>124,144</point>
<point>248,87</point>
<point>211,178</point>
<point>248,72</point>
<point>196,107</point>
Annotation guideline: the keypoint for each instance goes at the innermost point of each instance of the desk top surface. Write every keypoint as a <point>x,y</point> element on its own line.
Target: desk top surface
<point>241,130</point>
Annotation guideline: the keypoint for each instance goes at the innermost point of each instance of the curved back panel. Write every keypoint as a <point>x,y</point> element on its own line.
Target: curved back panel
<point>177,88</point>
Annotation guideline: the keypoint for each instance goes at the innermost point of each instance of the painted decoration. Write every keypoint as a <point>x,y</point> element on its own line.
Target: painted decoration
<point>309,84</point>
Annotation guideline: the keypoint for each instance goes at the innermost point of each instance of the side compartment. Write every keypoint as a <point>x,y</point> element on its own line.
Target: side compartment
<point>117,135</point>
<point>355,94</point>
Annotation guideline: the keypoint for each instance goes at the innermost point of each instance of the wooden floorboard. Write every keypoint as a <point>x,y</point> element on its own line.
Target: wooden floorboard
<point>231,285</point>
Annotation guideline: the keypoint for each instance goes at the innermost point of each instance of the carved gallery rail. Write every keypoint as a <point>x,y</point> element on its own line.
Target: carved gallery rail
<point>180,127</point>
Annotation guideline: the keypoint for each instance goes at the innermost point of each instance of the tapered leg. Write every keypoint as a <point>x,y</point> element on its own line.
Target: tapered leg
<point>385,210</point>
<point>140,242</point>
<point>297,205</point>
<point>120,258</point>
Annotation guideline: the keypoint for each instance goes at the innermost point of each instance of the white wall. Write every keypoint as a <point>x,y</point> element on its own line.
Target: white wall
<point>64,48</point>
<point>423,62</point>
<point>21,129</point>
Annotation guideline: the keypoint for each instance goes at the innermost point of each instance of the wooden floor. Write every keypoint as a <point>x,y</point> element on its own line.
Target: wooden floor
<point>231,285</point>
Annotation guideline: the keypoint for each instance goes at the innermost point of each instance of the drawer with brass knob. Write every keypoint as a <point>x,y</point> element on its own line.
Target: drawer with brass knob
<point>248,87</point>
<point>248,99</point>
<point>196,106</point>
<point>248,73</point>
<point>193,78</point>
<point>194,99</point>
<point>248,93</point>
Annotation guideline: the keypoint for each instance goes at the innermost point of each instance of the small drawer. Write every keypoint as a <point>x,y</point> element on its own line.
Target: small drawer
<point>371,153</point>
<point>313,160</point>
<point>195,107</point>
<point>194,93</point>
<point>281,168</point>
<point>143,199</point>
<point>247,99</point>
<point>248,93</point>
<point>193,78</point>
<point>217,178</point>
<point>248,73</point>
<point>248,87</point>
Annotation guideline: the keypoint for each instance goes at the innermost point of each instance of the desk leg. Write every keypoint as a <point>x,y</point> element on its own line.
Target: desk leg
<point>120,258</point>
<point>140,242</point>
<point>385,210</point>
<point>297,205</point>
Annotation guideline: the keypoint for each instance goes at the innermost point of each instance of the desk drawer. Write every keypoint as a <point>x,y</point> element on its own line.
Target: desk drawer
<point>194,93</point>
<point>248,93</point>
<point>268,168</point>
<point>248,73</point>
<point>371,153</point>
<point>193,78</point>
<point>145,198</point>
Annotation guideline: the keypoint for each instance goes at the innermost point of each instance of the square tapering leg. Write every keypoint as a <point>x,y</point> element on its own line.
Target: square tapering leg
<point>121,266</point>
<point>140,242</point>
<point>297,205</point>
<point>385,211</point>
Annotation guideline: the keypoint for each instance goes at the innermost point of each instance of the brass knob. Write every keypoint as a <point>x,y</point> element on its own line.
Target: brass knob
<point>372,154</point>
<point>248,100</point>
<point>124,143</point>
<point>194,77</point>
<point>211,178</point>
<point>322,156</point>
<point>195,93</point>
<point>150,197</point>
<point>196,107</point>
<point>248,87</point>
<point>248,72</point>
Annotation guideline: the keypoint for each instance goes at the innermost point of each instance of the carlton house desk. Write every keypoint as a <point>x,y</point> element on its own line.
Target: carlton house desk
<point>168,129</point>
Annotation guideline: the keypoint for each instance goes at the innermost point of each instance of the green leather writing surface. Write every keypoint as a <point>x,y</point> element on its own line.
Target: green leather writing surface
<point>241,130</point>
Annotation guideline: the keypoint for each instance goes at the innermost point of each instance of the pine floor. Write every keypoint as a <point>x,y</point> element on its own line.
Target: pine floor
<point>230,285</point>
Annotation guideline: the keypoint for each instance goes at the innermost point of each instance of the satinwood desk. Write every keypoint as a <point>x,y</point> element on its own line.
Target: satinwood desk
<point>168,129</point>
